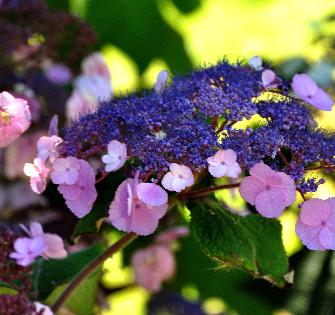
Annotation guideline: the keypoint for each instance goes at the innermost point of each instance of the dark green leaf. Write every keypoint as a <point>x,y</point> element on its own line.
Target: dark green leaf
<point>252,244</point>
<point>49,274</point>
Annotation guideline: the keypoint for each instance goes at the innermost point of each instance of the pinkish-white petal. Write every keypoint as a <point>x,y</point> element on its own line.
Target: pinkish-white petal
<point>261,171</point>
<point>35,229</point>
<point>233,170</point>
<point>255,62</point>
<point>230,156</point>
<point>218,171</point>
<point>327,238</point>
<point>167,181</point>
<point>161,81</point>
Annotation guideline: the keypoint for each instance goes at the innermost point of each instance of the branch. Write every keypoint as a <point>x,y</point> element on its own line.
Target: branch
<point>121,243</point>
<point>207,190</point>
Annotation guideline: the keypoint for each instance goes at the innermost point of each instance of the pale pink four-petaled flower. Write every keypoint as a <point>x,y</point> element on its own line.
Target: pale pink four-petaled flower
<point>47,147</point>
<point>179,178</point>
<point>305,87</point>
<point>152,266</point>
<point>81,195</point>
<point>137,207</point>
<point>116,156</point>
<point>47,245</point>
<point>270,80</point>
<point>65,170</point>
<point>38,173</point>
<point>14,118</point>
<point>316,224</point>
<point>269,191</point>
<point>223,163</point>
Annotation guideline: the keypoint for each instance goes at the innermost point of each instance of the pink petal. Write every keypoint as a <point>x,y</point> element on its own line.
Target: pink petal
<point>69,192</point>
<point>327,238</point>
<point>268,76</point>
<point>178,184</point>
<point>54,246</point>
<point>145,220</point>
<point>309,235</point>
<point>36,229</point>
<point>270,203</point>
<point>321,100</point>
<point>233,170</point>
<point>303,85</point>
<point>152,194</point>
<point>250,188</point>
<point>38,184</point>
<point>176,169</point>
<point>314,211</point>
<point>261,171</point>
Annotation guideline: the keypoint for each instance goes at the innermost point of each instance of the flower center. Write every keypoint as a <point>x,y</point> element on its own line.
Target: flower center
<point>268,187</point>
<point>5,117</point>
<point>323,222</point>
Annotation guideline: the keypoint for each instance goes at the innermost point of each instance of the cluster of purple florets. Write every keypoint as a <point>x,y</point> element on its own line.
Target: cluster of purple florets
<point>184,123</point>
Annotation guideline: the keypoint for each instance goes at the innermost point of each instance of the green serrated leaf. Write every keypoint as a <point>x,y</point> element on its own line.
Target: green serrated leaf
<point>49,274</point>
<point>252,244</point>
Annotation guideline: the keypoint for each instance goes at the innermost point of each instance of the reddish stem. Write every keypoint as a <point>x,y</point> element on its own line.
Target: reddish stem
<point>207,190</point>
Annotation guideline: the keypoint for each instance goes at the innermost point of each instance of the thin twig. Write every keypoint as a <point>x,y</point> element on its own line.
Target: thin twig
<point>207,190</point>
<point>121,243</point>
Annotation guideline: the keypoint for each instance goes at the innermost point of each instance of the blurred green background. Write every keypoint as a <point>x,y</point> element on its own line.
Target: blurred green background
<point>141,37</point>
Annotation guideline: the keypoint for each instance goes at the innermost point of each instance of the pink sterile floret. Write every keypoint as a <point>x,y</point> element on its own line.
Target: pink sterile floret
<point>137,207</point>
<point>47,147</point>
<point>172,234</point>
<point>270,80</point>
<point>95,64</point>
<point>37,244</point>
<point>269,191</point>
<point>116,157</point>
<point>38,173</point>
<point>316,224</point>
<point>65,170</point>
<point>14,118</point>
<point>26,250</point>
<point>179,177</point>
<point>304,86</point>
<point>152,266</point>
<point>58,74</point>
<point>45,309</point>
<point>256,63</point>
<point>80,196</point>
<point>161,81</point>
<point>223,163</point>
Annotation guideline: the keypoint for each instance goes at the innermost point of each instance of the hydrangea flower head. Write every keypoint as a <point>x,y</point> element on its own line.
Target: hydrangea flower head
<point>47,147</point>
<point>223,163</point>
<point>152,266</point>
<point>161,81</point>
<point>137,207</point>
<point>305,87</point>
<point>14,118</point>
<point>80,196</point>
<point>179,177</point>
<point>65,170</point>
<point>316,224</point>
<point>38,173</point>
<point>269,191</point>
<point>116,157</point>
<point>255,62</point>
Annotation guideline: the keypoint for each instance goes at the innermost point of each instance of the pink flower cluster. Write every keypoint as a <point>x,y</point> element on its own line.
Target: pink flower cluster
<point>156,263</point>
<point>47,245</point>
<point>92,85</point>
<point>14,118</point>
